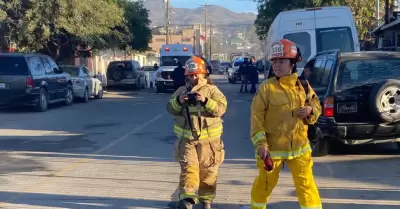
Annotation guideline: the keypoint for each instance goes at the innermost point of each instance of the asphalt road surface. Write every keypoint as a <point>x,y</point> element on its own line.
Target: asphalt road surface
<point>117,153</point>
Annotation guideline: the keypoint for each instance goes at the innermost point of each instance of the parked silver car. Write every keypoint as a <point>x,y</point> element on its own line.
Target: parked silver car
<point>84,83</point>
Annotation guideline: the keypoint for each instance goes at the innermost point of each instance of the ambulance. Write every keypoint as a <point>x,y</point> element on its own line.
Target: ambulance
<point>170,55</point>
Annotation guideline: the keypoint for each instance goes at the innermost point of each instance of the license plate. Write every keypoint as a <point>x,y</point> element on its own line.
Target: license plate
<point>2,85</point>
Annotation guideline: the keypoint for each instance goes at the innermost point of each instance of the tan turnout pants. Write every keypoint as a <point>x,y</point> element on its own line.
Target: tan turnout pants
<point>199,161</point>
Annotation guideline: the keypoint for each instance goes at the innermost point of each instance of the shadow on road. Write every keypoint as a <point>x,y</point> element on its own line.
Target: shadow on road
<point>47,144</point>
<point>11,164</point>
<point>85,202</point>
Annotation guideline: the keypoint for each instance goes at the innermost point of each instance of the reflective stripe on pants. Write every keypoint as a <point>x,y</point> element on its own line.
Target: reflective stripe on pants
<point>204,134</point>
<point>301,168</point>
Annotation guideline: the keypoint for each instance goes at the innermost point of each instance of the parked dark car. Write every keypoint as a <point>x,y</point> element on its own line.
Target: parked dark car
<point>223,67</point>
<point>360,96</point>
<point>34,80</point>
<point>126,72</point>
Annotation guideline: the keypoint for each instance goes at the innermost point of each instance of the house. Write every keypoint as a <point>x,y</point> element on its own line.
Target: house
<point>388,35</point>
<point>236,41</point>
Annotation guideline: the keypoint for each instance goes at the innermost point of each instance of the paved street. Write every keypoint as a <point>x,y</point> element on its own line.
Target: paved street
<point>117,153</point>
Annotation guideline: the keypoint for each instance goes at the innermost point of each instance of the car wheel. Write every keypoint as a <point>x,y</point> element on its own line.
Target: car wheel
<point>43,104</point>
<point>85,95</point>
<point>69,96</point>
<point>99,93</point>
<point>382,100</point>
<point>137,85</point>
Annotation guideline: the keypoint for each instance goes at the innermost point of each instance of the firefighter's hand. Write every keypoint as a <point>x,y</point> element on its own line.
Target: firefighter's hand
<point>262,151</point>
<point>183,98</point>
<point>305,112</point>
<point>200,97</point>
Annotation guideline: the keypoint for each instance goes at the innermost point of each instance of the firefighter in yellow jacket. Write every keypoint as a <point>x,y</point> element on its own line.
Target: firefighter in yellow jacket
<point>280,114</point>
<point>197,109</point>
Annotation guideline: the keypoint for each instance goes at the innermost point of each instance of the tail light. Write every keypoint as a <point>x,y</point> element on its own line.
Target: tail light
<point>329,107</point>
<point>30,83</point>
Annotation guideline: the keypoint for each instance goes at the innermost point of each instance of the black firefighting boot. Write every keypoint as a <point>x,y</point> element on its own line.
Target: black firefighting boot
<point>206,205</point>
<point>185,204</point>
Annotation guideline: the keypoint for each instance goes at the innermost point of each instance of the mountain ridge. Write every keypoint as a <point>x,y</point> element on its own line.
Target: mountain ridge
<point>218,15</point>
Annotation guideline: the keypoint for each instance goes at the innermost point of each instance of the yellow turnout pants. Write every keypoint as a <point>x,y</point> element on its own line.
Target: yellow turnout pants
<point>199,161</point>
<point>301,168</point>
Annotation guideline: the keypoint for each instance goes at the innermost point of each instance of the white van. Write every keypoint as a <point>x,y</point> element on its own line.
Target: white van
<point>315,30</point>
<point>169,54</point>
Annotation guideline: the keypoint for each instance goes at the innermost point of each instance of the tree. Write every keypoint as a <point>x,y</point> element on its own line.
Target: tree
<point>60,25</point>
<point>137,25</point>
<point>61,28</point>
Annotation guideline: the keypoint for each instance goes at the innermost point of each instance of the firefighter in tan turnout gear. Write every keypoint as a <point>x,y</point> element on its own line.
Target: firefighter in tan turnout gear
<point>197,108</point>
<point>280,114</point>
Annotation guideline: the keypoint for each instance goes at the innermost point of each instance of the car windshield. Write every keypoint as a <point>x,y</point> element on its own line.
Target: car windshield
<point>356,73</point>
<point>127,66</point>
<point>13,66</point>
<point>72,71</point>
<point>149,68</point>
<point>170,60</point>
<point>335,38</point>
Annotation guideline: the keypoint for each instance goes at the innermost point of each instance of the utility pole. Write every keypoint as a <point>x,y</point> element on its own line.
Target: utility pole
<point>387,11</point>
<point>377,12</point>
<point>211,38</point>
<point>167,21</point>
<point>205,28</point>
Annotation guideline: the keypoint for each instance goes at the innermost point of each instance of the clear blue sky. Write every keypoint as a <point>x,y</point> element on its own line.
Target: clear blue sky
<point>234,5</point>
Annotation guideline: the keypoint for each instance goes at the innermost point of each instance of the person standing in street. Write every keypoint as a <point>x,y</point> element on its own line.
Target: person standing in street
<point>280,114</point>
<point>178,76</point>
<point>244,74</point>
<point>197,108</point>
<point>253,76</point>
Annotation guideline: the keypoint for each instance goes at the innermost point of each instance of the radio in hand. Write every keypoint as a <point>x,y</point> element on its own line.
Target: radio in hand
<point>192,100</point>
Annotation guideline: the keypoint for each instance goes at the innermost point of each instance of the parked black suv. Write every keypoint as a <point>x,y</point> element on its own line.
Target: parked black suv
<point>126,72</point>
<point>360,96</point>
<point>34,80</point>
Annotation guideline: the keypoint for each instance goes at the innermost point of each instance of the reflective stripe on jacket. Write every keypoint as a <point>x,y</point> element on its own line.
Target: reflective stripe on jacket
<point>274,120</point>
<point>210,113</point>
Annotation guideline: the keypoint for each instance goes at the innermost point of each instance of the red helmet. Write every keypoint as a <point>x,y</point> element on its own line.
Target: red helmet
<point>285,49</point>
<point>195,65</point>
